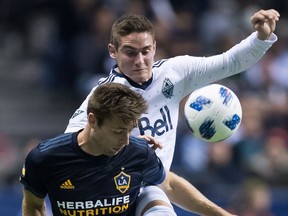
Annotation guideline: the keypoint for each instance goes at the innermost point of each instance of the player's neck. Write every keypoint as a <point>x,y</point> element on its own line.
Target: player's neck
<point>86,143</point>
<point>117,70</point>
<point>89,148</point>
<point>83,135</point>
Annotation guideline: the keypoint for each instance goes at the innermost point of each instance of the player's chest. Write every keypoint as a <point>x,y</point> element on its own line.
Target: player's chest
<point>100,193</point>
<point>93,180</point>
<point>162,88</point>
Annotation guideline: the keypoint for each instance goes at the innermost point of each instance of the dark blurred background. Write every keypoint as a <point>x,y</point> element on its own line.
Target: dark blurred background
<point>53,52</point>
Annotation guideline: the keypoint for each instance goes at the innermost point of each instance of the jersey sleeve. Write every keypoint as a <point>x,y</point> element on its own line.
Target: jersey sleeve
<point>197,72</point>
<point>154,172</point>
<point>79,118</point>
<point>33,174</point>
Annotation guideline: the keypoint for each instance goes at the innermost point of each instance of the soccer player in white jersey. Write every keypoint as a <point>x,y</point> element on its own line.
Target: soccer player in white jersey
<point>166,82</point>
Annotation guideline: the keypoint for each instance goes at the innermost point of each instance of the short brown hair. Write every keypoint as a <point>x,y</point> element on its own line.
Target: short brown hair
<point>114,99</point>
<point>127,24</point>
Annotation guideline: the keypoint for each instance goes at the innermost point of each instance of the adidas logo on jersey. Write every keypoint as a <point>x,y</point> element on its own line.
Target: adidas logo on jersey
<point>67,185</point>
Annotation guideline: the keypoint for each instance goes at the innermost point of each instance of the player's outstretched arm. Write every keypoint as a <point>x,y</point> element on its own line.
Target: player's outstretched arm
<point>186,196</point>
<point>264,22</point>
<point>32,205</point>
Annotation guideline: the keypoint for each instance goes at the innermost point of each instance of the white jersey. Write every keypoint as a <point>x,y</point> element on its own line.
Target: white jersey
<point>172,80</point>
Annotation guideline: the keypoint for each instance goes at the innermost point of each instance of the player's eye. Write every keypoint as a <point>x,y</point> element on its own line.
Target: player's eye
<point>131,53</point>
<point>146,52</point>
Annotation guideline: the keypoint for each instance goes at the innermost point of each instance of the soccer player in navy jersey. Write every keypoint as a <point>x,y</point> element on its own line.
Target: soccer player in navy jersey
<point>100,169</point>
<point>166,82</point>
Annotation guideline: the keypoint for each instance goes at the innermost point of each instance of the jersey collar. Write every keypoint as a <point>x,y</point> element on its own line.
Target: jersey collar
<point>131,82</point>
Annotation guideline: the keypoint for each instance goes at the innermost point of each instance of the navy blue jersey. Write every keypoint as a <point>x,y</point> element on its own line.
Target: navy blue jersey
<point>81,184</point>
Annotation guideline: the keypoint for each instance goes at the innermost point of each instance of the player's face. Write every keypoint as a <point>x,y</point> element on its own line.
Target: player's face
<point>135,56</point>
<point>112,136</point>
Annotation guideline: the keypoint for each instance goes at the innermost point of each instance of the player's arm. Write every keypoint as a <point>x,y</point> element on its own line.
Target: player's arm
<point>186,196</point>
<point>264,22</point>
<point>32,205</point>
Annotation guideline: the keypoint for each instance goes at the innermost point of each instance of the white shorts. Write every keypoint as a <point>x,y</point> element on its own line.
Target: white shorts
<point>152,193</point>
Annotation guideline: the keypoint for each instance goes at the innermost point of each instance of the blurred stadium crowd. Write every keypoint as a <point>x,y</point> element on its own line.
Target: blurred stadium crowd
<point>53,52</point>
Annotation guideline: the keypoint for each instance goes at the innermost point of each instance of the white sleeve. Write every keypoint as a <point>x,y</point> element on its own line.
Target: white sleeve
<point>79,119</point>
<point>202,71</point>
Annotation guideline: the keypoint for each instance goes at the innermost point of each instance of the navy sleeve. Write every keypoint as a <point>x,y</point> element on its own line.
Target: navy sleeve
<point>33,174</point>
<point>154,172</point>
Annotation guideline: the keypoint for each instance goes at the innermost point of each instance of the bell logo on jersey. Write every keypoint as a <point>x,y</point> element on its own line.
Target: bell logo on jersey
<point>122,182</point>
<point>159,127</point>
<point>167,88</point>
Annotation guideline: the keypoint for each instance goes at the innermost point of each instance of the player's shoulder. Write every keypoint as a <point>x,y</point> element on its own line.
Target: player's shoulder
<point>55,143</point>
<point>159,63</point>
<point>139,146</point>
<point>165,64</point>
<point>138,149</point>
<point>50,147</point>
<point>113,76</point>
<point>138,142</point>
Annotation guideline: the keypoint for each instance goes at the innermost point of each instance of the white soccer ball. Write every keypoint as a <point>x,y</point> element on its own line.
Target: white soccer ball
<point>213,113</point>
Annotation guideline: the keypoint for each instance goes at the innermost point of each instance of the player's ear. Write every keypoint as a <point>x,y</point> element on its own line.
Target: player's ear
<point>92,120</point>
<point>112,50</point>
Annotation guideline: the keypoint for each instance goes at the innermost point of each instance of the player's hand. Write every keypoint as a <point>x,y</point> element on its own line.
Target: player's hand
<point>264,22</point>
<point>152,141</point>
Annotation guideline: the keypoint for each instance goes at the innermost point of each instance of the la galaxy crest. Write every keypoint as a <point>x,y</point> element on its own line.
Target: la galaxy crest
<point>167,88</point>
<point>122,182</point>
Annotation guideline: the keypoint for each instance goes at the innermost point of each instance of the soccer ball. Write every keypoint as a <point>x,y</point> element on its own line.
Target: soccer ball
<point>213,113</point>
